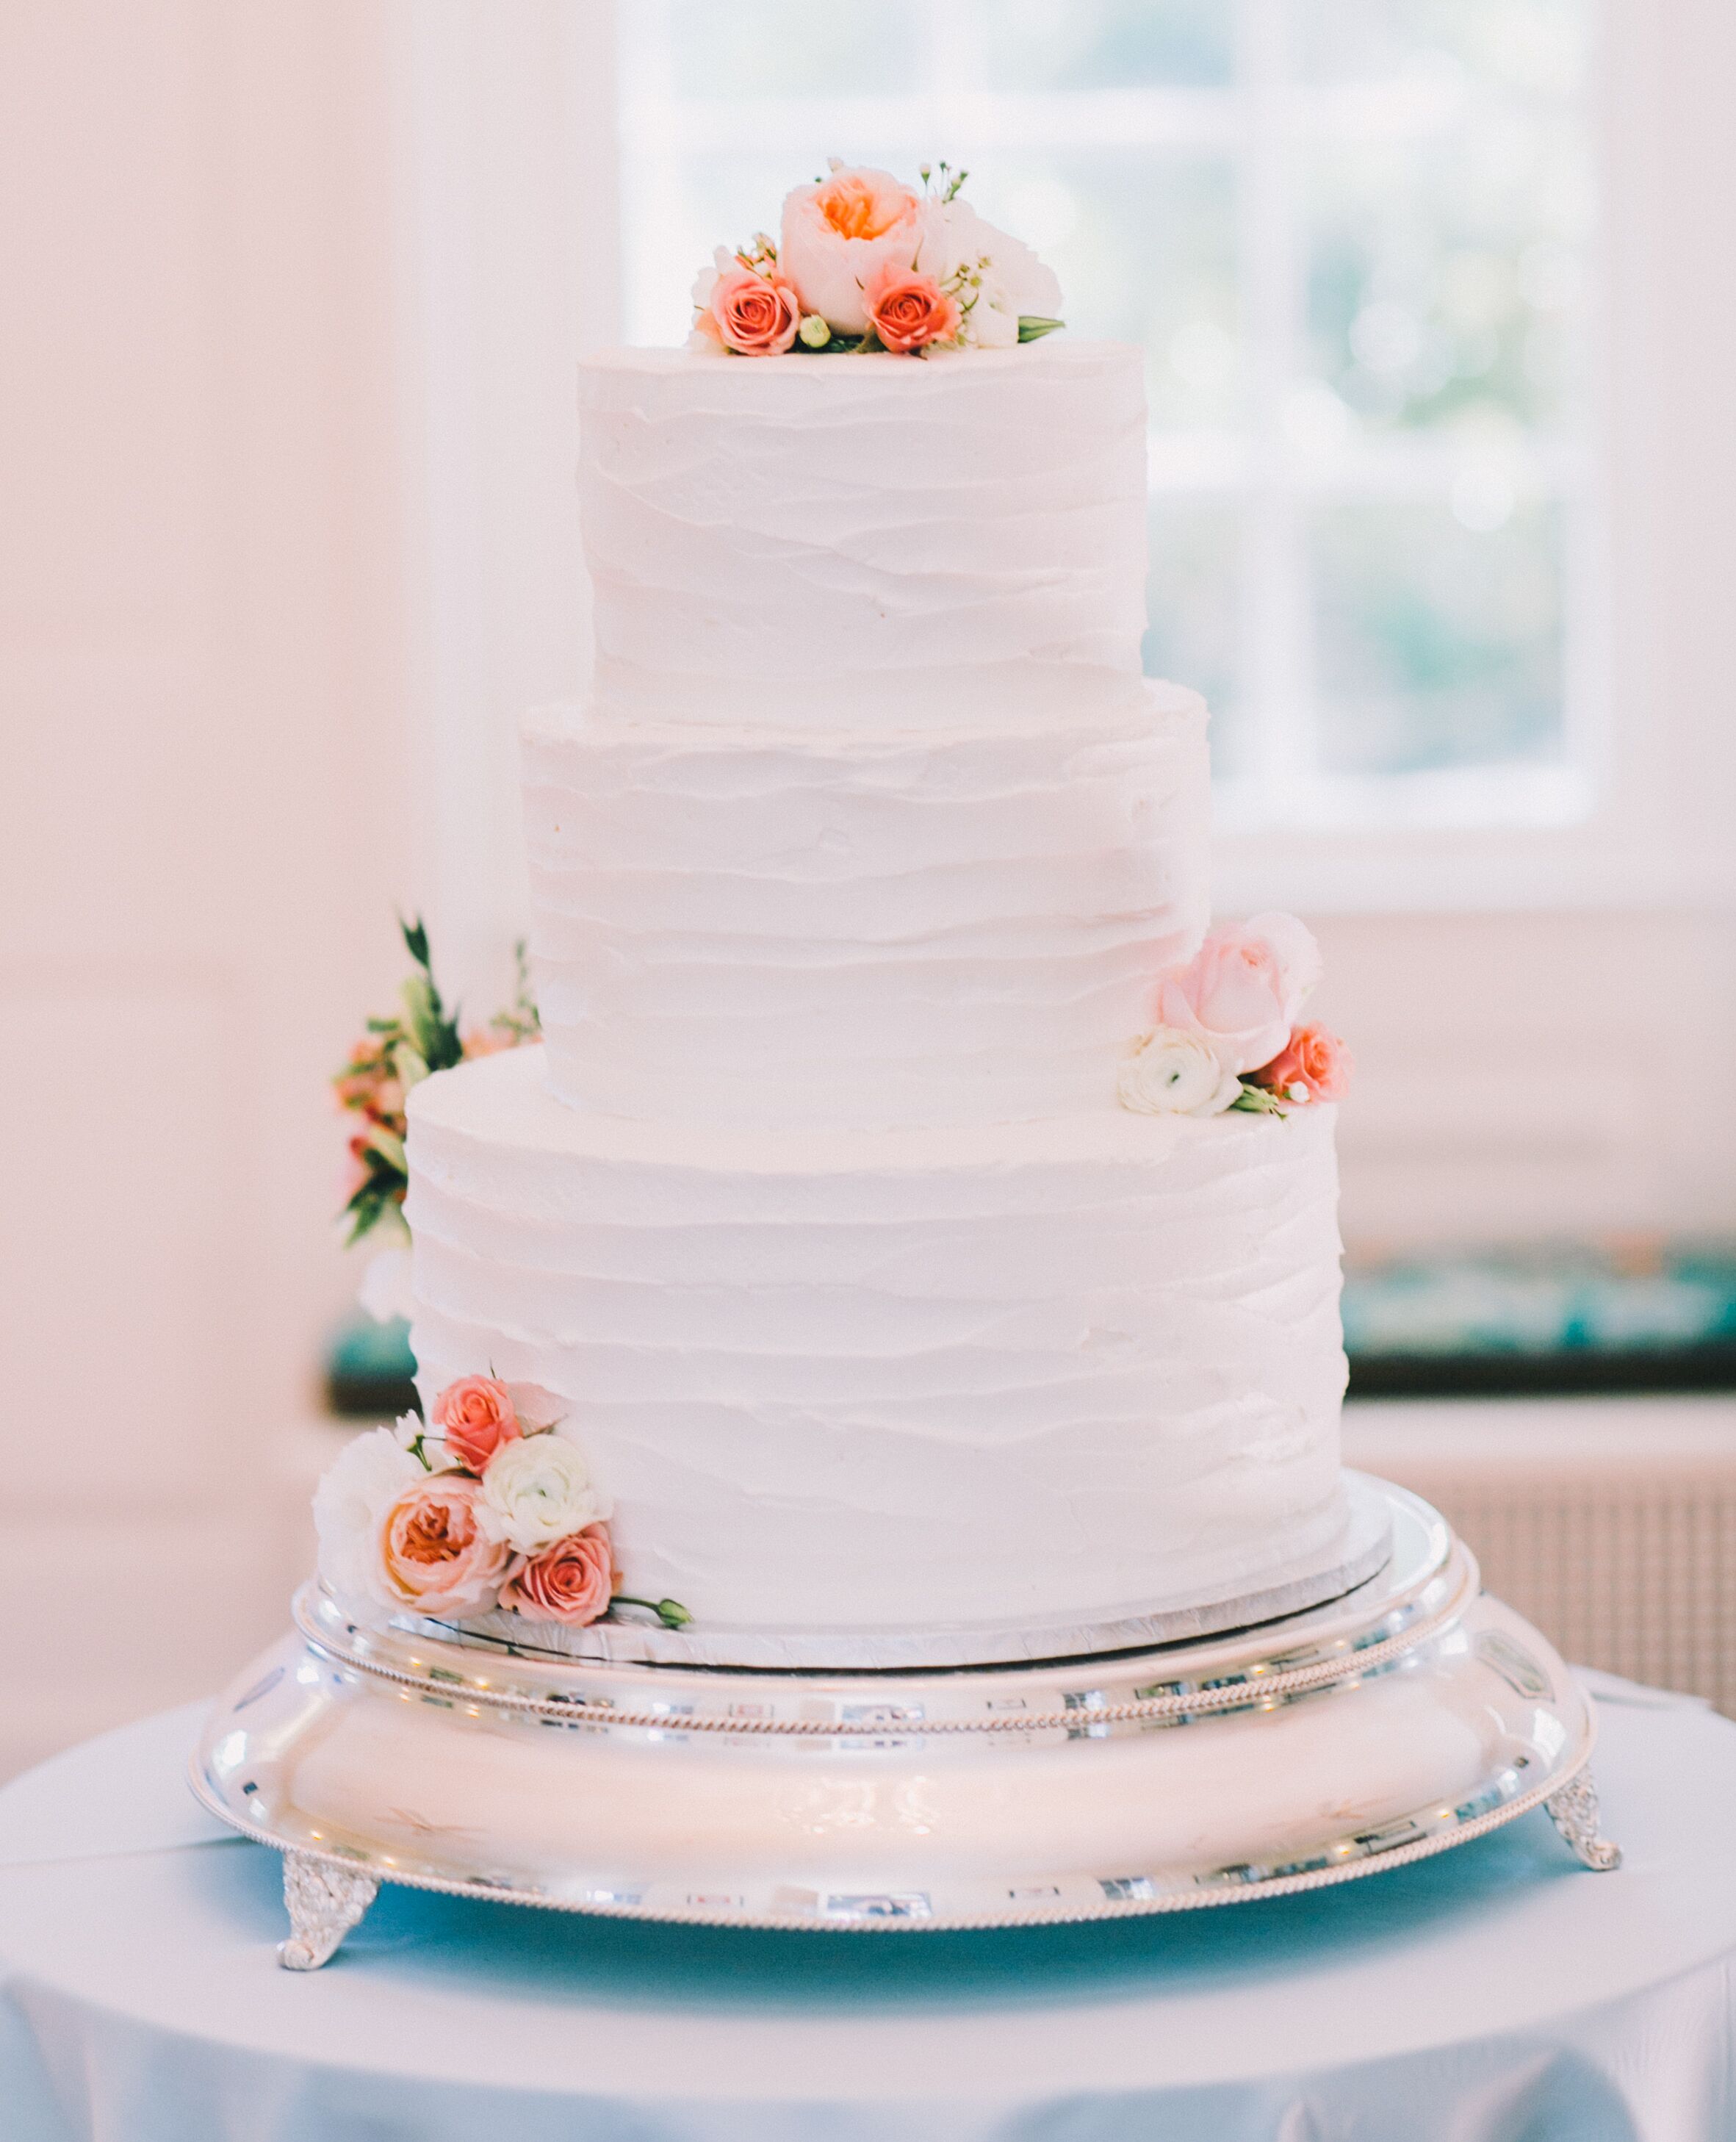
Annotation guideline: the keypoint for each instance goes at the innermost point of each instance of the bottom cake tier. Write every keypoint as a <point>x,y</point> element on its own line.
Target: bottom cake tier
<point>1038,1374</point>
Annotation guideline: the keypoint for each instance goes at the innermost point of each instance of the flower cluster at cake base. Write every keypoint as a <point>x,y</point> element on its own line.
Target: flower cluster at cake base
<point>1226,1035</point>
<point>490,1505</point>
<point>863,262</point>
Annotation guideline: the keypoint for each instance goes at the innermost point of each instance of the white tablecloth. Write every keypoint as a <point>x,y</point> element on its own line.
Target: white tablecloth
<point>1497,1994</point>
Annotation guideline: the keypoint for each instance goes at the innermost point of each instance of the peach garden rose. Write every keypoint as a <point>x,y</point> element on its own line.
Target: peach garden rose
<point>441,1550</point>
<point>573,1581</point>
<point>841,230</point>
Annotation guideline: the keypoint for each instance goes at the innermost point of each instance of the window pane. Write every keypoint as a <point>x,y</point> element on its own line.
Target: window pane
<point>1537,48</point>
<point>1146,253</point>
<point>1104,44</point>
<point>722,49</point>
<point>1193,598</point>
<point>1443,272</point>
<point>1437,644</point>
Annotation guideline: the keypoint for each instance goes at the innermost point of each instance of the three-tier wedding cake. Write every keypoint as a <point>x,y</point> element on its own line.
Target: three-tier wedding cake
<point>914,1234</point>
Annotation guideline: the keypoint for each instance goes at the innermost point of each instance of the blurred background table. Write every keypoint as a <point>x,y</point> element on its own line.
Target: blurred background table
<point>1498,1990</point>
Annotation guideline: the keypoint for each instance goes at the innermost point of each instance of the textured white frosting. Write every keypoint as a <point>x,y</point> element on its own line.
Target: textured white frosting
<point>752,926</point>
<point>905,1380</point>
<point>870,541</point>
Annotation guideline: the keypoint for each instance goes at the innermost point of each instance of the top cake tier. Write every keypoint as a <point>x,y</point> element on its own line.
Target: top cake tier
<point>866,541</point>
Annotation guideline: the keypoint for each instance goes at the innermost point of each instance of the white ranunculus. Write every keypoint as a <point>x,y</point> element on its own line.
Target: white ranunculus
<point>540,1490</point>
<point>827,265</point>
<point>1170,1072</point>
<point>349,1506</point>
<point>956,240</point>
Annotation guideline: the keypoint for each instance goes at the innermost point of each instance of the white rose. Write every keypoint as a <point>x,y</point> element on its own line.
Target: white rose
<point>836,233</point>
<point>540,1491</point>
<point>955,241</point>
<point>1170,1072</point>
<point>1296,952</point>
<point>350,1504</point>
<point>703,338</point>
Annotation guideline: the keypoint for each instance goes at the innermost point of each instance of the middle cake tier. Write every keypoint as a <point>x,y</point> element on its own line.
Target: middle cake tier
<point>786,928</point>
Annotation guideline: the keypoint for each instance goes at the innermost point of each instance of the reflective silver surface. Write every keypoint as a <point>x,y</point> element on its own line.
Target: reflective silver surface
<point>1405,1718</point>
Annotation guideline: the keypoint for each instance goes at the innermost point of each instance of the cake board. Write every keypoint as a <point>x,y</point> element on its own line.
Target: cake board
<point>1411,1715</point>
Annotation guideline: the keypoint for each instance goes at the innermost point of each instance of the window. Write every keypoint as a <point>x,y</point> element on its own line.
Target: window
<point>1354,237</point>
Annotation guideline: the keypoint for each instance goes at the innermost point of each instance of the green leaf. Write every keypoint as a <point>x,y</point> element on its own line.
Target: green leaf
<point>445,1046</point>
<point>1256,1101</point>
<point>390,1149</point>
<point>415,942</point>
<point>1033,326</point>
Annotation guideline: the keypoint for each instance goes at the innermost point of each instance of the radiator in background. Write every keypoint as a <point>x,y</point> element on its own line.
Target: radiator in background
<point>1610,1523</point>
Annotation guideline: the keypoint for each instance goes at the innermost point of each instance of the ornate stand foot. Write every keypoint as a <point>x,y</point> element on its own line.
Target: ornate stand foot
<point>1573,1810</point>
<point>323,1903</point>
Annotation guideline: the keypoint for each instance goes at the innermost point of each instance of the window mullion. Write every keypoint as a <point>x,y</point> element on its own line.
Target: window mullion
<point>1274,663</point>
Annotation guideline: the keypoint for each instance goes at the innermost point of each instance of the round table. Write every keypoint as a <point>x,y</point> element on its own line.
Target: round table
<point>1499,1991</point>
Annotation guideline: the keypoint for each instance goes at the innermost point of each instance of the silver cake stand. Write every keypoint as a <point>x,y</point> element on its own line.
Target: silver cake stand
<point>1409,1715</point>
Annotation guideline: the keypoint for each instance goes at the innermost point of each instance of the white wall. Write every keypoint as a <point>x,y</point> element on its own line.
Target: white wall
<point>203,816</point>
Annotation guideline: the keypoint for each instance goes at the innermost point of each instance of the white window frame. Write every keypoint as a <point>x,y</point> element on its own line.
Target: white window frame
<point>1646,828</point>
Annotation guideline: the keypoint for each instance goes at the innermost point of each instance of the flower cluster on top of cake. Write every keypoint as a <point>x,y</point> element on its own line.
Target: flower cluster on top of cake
<point>491,1506</point>
<point>1225,1034</point>
<point>863,262</point>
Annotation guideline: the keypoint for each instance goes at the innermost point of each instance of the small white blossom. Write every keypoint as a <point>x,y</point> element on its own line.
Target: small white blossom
<point>350,1504</point>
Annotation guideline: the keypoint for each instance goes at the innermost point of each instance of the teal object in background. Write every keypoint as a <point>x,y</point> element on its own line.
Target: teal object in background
<point>1564,1317</point>
<point>370,1370</point>
<point>1554,1318</point>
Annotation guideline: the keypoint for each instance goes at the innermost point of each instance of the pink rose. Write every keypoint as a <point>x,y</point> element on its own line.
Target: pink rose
<point>908,311</point>
<point>440,1552</point>
<point>1313,1059</point>
<point>752,315</point>
<point>1242,988</point>
<point>572,1581</point>
<point>837,233</point>
<point>478,1416</point>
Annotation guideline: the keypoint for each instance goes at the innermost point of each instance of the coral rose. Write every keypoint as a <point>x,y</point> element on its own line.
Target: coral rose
<point>1313,1065</point>
<point>908,312</point>
<point>572,1581</point>
<point>477,1416</point>
<point>441,1550</point>
<point>836,234</point>
<point>1242,988</point>
<point>752,315</point>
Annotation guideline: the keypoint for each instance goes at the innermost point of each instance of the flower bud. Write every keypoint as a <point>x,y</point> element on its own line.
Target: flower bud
<point>814,332</point>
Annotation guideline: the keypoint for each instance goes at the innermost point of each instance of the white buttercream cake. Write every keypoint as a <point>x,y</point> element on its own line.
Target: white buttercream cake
<point>870,1306</point>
